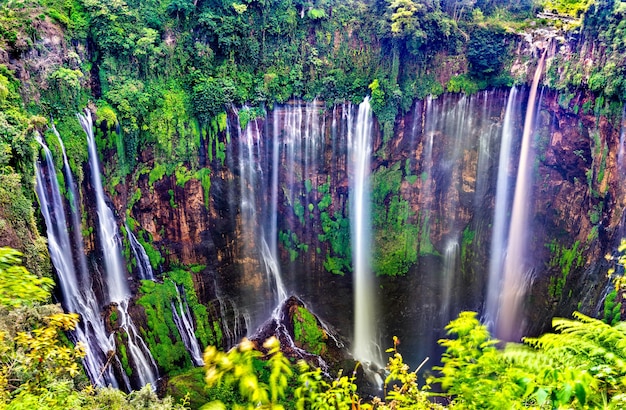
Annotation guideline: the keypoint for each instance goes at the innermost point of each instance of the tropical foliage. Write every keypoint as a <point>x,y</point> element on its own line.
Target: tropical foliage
<point>580,365</point>
<point>39,367</point>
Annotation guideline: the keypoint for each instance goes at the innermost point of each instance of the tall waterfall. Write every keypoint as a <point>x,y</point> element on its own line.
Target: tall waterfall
<point>78,295</point>
<point>501,210</point>
<point>116,281</point>
<point>517,273</point>
<point>365,344</point>
<point>252,178</point>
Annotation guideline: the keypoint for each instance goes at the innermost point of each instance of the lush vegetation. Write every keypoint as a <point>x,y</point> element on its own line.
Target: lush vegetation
<point>395,239</point>
<point>161,334</point>
<point>581,365</point>
<point>160,76</point>
<point>39,367</point>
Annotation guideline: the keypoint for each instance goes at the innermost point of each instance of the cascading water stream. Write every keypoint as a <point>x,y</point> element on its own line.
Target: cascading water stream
<point>78,296</point>
<point>184,323</point>
<point>450,262</point>
<point>490,132</point>
<point>517,273</point>
<point>622,141</point>
<point>115,279</point>
<point>144,268</point>
<point>365,346</point>
<point>252,178</point>
<point>234,323</point>
<point>75,212</point>
<point>501,210</point>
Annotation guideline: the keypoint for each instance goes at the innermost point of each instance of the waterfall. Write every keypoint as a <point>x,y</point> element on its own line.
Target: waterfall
<point>138,353</point>
<point>117,283</point>
<point>90,331</point>
<point>426,197</point>
<point>451,256</point>
<point>115,278</point>
<point>74,211</point>
<point>517,273</point>
<point>622,141</point>
<point>184,323</point>
<point>360,150</point>
<point>501,210</point>
<point>144,268</point>
<point>252,210</point>
<point>234,323</point>
<point>489,133</point>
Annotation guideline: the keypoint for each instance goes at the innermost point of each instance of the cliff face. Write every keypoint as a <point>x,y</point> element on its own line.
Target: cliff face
<point>279,200</point>
<point>285,179</point>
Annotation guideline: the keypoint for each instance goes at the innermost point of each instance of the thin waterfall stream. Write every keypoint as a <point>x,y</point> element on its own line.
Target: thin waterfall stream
<point>184,323</point>
<point>141,257</point>
<point>115,278</point>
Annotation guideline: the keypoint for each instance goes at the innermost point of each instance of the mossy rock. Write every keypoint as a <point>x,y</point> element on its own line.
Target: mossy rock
<point>190,384</point>
<point>308,335</point>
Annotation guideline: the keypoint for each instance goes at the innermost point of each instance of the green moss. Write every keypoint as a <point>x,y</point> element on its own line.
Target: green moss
<point>124,357</point>
<point>466,243</point>
<point>464,83</point>
<point>216,147</point>
<point>308,335</point>
<point>298,210</point>
<point>612,309</point>
<point>161,334</point>
<point>290,241</point>
<point>250,114</point>
<point>395,238</point>
<point>106,114</point>
<point>173,204</point>
<point>565,259</point>
<point>157,173</point>
<point>205,328</point>
<point>204,175</point>
<point>191,386</point>
<point>134,198</point>
<point>336,232</point>
<point>308,185</point>
<point>183,175</point>
<point>425,245</point>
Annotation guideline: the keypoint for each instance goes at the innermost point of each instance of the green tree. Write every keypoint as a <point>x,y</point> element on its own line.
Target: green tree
<point>34,353</point>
